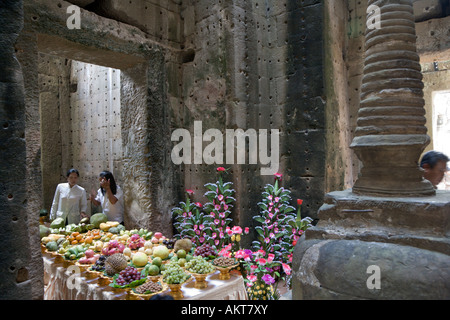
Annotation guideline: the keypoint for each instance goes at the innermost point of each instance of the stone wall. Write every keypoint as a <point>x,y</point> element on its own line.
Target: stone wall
<point>17,263</point>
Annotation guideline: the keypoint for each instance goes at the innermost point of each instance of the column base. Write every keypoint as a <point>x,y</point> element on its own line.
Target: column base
<point>408,239</point>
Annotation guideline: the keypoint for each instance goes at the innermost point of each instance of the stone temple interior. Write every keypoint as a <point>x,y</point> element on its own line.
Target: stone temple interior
<point>109,92</point>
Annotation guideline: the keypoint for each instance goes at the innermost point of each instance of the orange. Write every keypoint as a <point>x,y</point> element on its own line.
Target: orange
<point>74,242</point>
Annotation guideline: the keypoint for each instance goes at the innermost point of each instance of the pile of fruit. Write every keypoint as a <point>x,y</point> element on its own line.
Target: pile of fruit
<point>174,274</point>
<point>127,276</point>
<point>148,288</point>
<point>129,257</point>
<point>199,265</point>
<point>224,262</point>
<point>205,251</point>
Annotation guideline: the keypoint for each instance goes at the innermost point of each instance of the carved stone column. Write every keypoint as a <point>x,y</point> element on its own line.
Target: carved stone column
<point>391,132</point>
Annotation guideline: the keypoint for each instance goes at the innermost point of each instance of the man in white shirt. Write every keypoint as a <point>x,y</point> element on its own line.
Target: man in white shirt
<point>109,197</point>
<point>69,202</point>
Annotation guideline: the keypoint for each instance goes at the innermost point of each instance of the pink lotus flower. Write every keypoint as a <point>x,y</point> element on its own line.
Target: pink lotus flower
<point>261,261</point>
<point>286,268</point>
<point>240,254</point>
<point>252,278</point>
<point>260,252</point>
<point>237,230</point>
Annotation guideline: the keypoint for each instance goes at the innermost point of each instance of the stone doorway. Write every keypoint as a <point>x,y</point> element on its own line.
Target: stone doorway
<point>142,136</point>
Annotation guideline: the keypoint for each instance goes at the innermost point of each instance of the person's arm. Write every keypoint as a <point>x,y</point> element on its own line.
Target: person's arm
<point>93,198</point>
<point>83,204</point>
<point>55,204</point>
<point>111,197</point>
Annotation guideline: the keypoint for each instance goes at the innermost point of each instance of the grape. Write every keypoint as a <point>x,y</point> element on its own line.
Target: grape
<point>205,250</point>
<point>174,273</point>
<point>128,275</point>
<point>199,265</point>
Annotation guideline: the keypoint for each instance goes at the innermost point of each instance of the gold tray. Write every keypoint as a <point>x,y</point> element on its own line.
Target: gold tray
<point>149,295</point>
<point>225,271</point>
<point>200,279</point>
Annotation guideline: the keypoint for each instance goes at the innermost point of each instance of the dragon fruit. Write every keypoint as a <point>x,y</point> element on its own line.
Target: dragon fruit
<point>135,242</point>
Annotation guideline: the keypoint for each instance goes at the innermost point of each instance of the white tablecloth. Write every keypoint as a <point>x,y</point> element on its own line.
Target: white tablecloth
<point>62,283</point>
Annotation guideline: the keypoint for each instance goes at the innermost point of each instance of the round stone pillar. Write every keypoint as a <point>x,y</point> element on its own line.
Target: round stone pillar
<point>391,133</point>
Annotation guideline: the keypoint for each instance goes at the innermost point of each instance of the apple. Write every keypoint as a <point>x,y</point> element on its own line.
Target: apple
<point>158,235</point>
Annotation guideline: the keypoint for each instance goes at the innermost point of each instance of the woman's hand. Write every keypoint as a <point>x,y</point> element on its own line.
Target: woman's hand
<point>105,184</point>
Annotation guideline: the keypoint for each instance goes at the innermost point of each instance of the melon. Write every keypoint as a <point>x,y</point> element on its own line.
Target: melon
<point>98,218</point>
<point>161,252</point>
<point>140,259</point>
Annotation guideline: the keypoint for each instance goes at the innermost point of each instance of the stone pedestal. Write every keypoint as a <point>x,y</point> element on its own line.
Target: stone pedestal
<point>406,239</point>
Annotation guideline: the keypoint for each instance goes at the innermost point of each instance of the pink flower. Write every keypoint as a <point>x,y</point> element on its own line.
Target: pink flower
<point>217,207</point>
<point>195,227</point>
<point>261,261</point>
<point>266,240</point>
<point>299,202</point>
<point>216,242</point>
<point>270,197</point>
<point>201,239</point>
<point>212,214</point>
<point>278,175</point>
<point>221,169</point>
<point>277,199</point>
<point>189,191</point>
<point>216,221</point>
<point>286,268</point>
<point>229,232</point>
<point>222,215</point>
<point>214,235</point>
<point>237,230</point>
<point>246,230</point>
<point>184,214</point>
<point>270,258</point>
<point>240,254</point>
<point>198,204</point>
<point>252,278</point>
<point>260,252</point>
<point>220,197</point>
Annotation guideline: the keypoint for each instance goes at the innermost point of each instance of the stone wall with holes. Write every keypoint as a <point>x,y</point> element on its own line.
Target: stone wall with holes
<point>95,112</point>
<point>258,65</point>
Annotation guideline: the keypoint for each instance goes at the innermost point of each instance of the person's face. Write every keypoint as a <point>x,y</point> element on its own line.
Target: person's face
<point>436,174</point>
<point>72,179</point>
